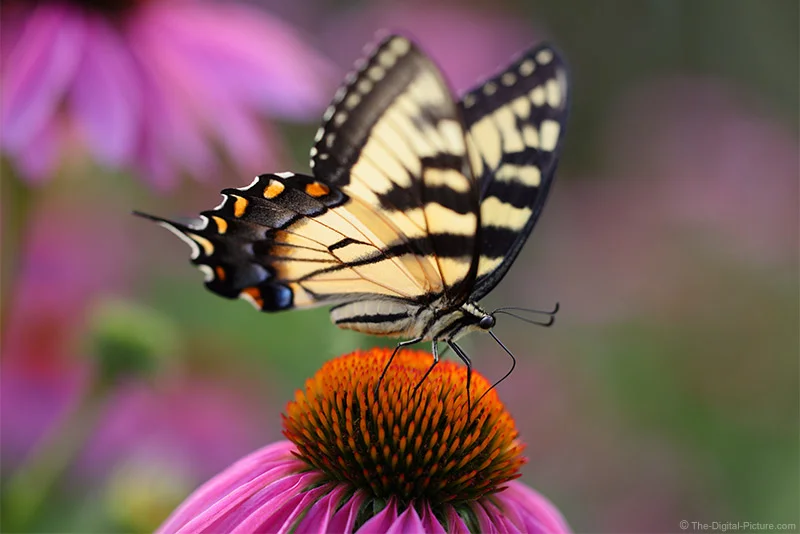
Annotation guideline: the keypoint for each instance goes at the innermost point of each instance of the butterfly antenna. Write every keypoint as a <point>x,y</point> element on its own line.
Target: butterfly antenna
<point>513,365</point>
<point>464,358</point>
<point>394,353</point>
<point>551,314</point>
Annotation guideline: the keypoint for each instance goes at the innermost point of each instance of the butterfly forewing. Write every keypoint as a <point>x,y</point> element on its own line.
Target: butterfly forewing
<point>394,142</point>
<point>515,122</point>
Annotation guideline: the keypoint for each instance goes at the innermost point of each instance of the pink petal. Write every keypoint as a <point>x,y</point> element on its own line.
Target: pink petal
<point>251,55</point>
<point>498,518</point>
<point>38,70</point>
<point>538,512</point>
<point>455,525</point>
<point>345,519</point>
<point>267,464</point>
<point>321,513</point>
<point>430,524</point>
<point>38,158</point>
<point>485,521</point>
<point>381,522</point>
<point>246,141</point>
<point>409,521</point>
<point>172,136</point>
<point>106,96</point>
<point>279,518</point>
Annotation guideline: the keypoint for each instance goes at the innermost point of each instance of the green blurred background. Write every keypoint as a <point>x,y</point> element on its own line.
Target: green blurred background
<point>667,390</point>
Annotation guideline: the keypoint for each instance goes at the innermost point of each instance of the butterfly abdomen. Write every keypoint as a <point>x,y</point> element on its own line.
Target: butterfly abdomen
<point>378,317</point>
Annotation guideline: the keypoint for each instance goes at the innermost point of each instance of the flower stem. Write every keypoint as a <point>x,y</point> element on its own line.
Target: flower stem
<point>29,487</point>
<point>17,201</point>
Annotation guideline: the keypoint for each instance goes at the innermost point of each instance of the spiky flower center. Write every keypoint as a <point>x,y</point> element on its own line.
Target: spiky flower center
<point>400,442</point>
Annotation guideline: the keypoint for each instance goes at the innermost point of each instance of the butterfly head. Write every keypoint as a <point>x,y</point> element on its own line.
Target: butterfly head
<point>487,322</point>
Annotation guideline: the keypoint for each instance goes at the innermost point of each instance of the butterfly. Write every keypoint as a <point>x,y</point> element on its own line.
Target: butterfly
<point>416,207</point>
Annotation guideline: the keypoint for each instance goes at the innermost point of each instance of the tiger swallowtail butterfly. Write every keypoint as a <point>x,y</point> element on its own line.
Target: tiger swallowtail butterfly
<point>416,207</point>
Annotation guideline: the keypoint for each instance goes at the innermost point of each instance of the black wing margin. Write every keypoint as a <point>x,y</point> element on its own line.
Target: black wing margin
<point>515,125</point>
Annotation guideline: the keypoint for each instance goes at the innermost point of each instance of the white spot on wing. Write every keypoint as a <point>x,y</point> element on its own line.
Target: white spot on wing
<point>375,73</point>
<point>544,56</point>
<point>352,100</point>
<point>521,106</point>
<point>208,272</point>
<point>340,118</point>
<point>387,59</point>
<point>538,95</point>
<point>549,131</point>
<point>287,174</point>
<point>245,188</point>
<point>508,79</point>
<point>553,93</point>
<point>527,67</point>
<point>364,86</point>
<point>200,223</point>
<point>400,46</point>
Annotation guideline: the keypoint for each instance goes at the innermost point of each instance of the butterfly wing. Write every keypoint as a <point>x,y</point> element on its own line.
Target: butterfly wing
<point>394,142</point>
<point>390,214</point>
<point>515,123</point>
<point>285,241</point>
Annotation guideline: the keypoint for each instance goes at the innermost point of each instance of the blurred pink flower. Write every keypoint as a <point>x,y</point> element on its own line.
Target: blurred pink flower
<point>467,43</point>
<point>149,85</point>
<point>271,490</point>
<point>194,423</point>
<point>61,270</point>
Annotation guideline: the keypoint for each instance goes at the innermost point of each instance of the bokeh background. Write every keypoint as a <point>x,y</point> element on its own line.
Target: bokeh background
<point>666,391</point>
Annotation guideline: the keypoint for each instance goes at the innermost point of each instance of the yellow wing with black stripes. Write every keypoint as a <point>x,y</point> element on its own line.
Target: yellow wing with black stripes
<point>515,124</point>
<point>391,213</point>
<point>417,206</point>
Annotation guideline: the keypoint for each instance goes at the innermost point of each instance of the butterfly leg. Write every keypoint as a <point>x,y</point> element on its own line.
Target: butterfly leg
<point>396,349</point>
<point>435,350</point>
<point>464,358</point>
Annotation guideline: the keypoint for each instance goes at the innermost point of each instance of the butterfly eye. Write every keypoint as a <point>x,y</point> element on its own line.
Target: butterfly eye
<point>486,322</point>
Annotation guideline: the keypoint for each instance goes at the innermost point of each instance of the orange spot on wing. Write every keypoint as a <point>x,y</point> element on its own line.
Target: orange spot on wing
<point>222,224</point>
<point>254,294</point>
<point>220,273</point>
<point>239,206</point>
<point>274,189</point>
<point>317,189</point>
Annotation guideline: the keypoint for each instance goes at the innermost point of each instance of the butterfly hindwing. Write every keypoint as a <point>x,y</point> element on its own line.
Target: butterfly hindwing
<point>515,122</point>
<point>287,241</point>
<point>394,142</point>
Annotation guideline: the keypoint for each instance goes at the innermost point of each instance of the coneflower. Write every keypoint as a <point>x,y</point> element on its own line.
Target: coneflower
<point>407,457</point>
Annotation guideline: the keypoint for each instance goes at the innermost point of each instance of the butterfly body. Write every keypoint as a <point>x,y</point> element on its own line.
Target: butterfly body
<point>417,206</point>
<point>434,322</point>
